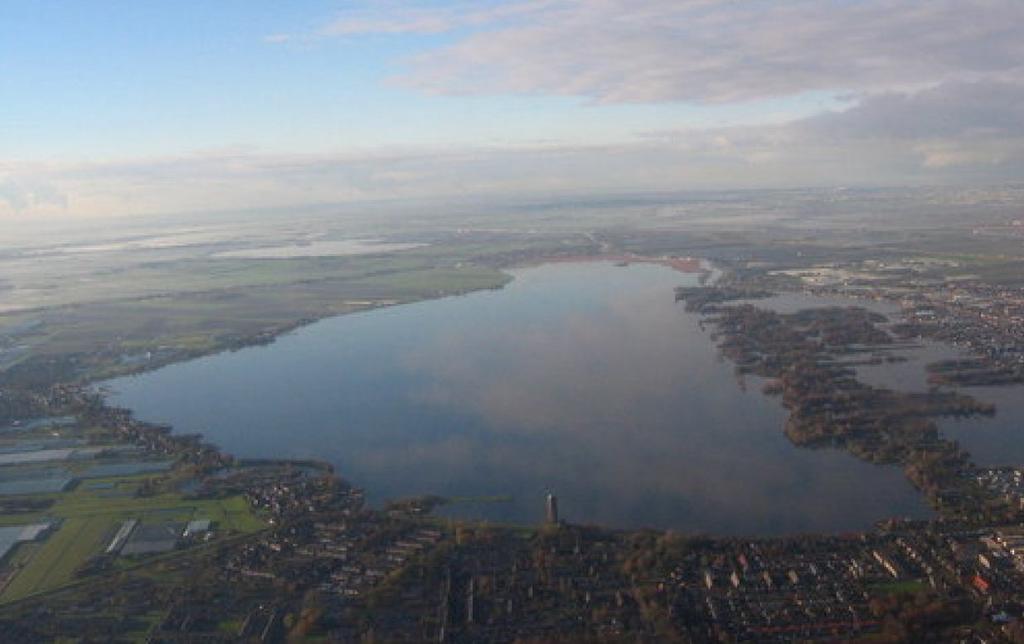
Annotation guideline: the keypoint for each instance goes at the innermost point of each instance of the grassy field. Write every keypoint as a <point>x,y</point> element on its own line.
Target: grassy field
<point>140,276</point>
<point>233,304</point>
<point>55,562</point>
<point>88,521</point>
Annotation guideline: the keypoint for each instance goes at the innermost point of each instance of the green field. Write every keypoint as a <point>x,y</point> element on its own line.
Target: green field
<point>89,520</point>
<point>898,587</point>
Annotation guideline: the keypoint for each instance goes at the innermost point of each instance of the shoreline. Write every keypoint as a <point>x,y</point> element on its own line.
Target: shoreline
<point>689,262</point>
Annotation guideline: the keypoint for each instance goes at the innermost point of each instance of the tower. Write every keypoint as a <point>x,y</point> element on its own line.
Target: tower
<point>552,509</point>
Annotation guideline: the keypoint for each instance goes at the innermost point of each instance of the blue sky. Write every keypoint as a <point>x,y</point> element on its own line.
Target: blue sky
<point>100,97</point>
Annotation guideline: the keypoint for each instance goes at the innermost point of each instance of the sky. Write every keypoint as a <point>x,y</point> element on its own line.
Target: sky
<point>127,108</point>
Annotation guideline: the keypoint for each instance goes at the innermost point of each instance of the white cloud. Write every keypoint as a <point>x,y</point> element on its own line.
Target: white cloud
<point>391,18</point>
<point>956,109</point>
<point>957,124</point>
<point>24,192</point>
<point>712,51</point>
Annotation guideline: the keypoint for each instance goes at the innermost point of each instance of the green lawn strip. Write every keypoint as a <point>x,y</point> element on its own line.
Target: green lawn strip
<point>23,519</point>
<point>230,626</point>
<point>231,513</point>
<point>432,281</point>
<point>238,515</point>
<point>23,552</point>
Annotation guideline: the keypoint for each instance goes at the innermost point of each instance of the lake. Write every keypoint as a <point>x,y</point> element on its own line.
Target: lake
<point>587,380</point>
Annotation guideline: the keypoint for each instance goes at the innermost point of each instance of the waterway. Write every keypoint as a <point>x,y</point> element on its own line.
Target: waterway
<point>587,380</point>
<point>991,441</point>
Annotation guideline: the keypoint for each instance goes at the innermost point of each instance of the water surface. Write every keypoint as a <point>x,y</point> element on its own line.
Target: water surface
<point>585,379</point>
<point>336,248</point>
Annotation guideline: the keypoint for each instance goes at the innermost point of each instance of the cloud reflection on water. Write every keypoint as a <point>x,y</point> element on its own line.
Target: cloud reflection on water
<point>588,380</point>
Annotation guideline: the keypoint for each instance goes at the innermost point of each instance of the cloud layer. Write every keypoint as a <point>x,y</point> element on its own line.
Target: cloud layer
<point>708,51</point>
<point>934,92</point>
